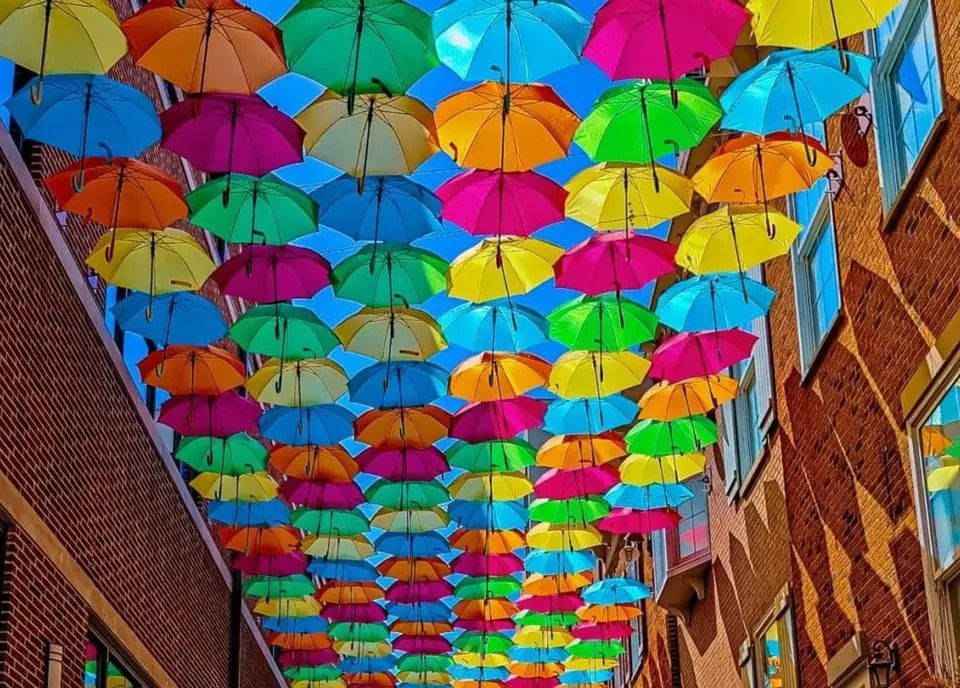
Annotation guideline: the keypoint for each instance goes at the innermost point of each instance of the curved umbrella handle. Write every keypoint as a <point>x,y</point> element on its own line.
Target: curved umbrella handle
<point>36,91</point>
<point>77,180</point>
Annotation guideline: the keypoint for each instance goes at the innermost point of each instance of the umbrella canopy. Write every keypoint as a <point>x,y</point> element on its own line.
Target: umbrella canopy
<point>702,354</point>
<point>664,438</point>
<point>578,451</point>
<point>666,401</point>
<point>498,487</point>
<point>648,496</point>
<point>601,323</point>
<point>273,273</point>
<point>329,521</point>
<point>714,302</point>
<point>234,455</point>
<point>499,455</point>
<point>563,538</point>
<point>637,469</point>
<point>813,23</point>
<point>397,334</point>
<point>413,521</point>
<point>329,463</point>
<point>488,513</point>
<point>211,416</point>
<point>283,331</point>
<point>619,263</point>
<point>192,370</point>
<point>398,384</point>
<point>580,510</point>
<point>501,419</point>
<point>311,425</point>
<point>578,374</point>
<point>403,464</point>
<point>639,521</point>
<point>403,428</point>
<point>576,483</point>
<point>501,268</point>
<point>175,318</point>
<point>487,564</point>
<point>589,416</point>
<point>494,326</point>
<point>384,275</point>
<point>309,382</point>
<point>492,376</point>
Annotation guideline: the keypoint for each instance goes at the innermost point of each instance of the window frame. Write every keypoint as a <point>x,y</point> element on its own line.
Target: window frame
<point>107,656</point>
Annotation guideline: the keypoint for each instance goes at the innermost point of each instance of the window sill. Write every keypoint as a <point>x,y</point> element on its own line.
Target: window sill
<point>892,214</point>
<point>833,331</point>
<point>684,584</point>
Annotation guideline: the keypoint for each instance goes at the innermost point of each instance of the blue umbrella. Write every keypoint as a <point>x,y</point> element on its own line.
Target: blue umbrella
<point>479,673</point>
<point>488,515</point>
<point>538,654</point>
<point>555,563</point>
<point>494,326</point>
<point>367,665</point>
<point>648,496</point>
<point>615,591</point>
<point>295,624</point>
<point>714,302</point>
<point>544,37</point>
<point>412,544</point>
<point>429,612</point>
<point>586,677</point>
<point>85,115</point>
<point>323,424</point>
<point>588,416</point>
<point>178,318</point>
<point>394,209</point>
<point>396,384</point>
<point>345,571</point>
<point>792,89</point>
<point>249,514</point>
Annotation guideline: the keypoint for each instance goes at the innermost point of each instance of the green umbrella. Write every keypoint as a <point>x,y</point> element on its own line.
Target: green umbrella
<point>483,643</point>
<point>596,649</point>
<point>412,494</point>
<point>330,521</point>
<point>569,511</point>
<point>639,122</point>
<point>235,455</point>
<point>277,588</point>
<point>481,587</point>
<point>387,275</point>
<point>551,620</point>
<point>359,46</point>
<point>602,323</point>
<point>313,673</point>
<point>253,210</point>
<point>290,333</point>
<point>359,632</point>
<point>498,455</point>
<point>420,663</point>
<point>663,438</point>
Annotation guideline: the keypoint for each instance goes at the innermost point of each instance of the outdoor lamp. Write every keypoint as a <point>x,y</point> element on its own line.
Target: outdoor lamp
<point>884,660</point>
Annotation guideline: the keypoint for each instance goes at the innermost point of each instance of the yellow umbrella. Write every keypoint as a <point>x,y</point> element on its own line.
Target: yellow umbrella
<point>500,487</point>
<point>352,548</point>
<point>412,521</point>
<point>360,648</point>
<point>152,262</point>
<point>537,636</point>
<point>652,470</point>
<point>501,267</point>
<point>614,196</point>
<point>540,584</point>
<point>385,134</point>
<point>589,663</point>
<point>391,334</point>
<point>559,538</point>
<point>944,474</point>
<point>250,487</point>
<point>298,383</point>
<point>481,660</point>
<point>579,451</point>
<point>287,607</point>
<point>581,374</point>
<point>690,397</point>
<point>735,239</point>
<point>811,24</point>
<point>490,376</point>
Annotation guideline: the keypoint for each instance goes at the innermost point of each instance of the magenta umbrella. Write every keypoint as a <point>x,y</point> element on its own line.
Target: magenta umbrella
<point>423,644</point>
<point>419,591</point>
<point>209,416</point>
<point>700,354</point>
<point>662,39</point>
<point>308,657</point>
<point>268,274</point>
<point>612,262</point>
<point>224,133</point>
<point>576,482</point>
<point>532,682</point>
<point>638,521</point>
<point>321,495</point>
<point>368,612</point>
<point>403,464</point>
<point>288,564</point>
<point>497,420</point>
<point>550,604</point>
<point>494,202</point>
<point>487,564</point>
<point>487,625</point>
<point>602,631</point>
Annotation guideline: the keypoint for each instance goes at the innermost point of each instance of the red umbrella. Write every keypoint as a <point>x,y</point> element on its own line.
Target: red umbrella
<point>700,354</point>
<point>273,273</point>
<point>422,644</point>
<point>419,591</point>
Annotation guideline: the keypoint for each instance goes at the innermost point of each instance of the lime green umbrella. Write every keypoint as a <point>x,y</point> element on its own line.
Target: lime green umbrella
<point>549,620</point>
<point>235,455</point>
<point>319,672</point>
<point>639,122</point>
<point>602,323</point>
<point>664,438</point>
<point>596,649</point>
<point>359,632</point>
<point>359,46</point>
<point>497,455</point>
<point>482,587</point>
<point>253,210</point>
<point>483,643</point>
<point>278,588</point>
<point>412,494</point>
<point>289,333</point>
<point>420,663</point>
<point>330,521</point>
<point>569,511</point>
<point>381,275</point>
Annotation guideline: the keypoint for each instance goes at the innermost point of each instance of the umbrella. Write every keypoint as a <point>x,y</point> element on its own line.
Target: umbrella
<point>690,397</point>
<point>361,632</point>
<point>618,263</point>
<point>415,521</point>
<point>410,494</point>
<point>648,496</point>
<point>383,275</point>
<point>359,46</point>
<point>599,631</point>
<point>550,604</point>
<point>487,542</point>
<point>273,273</point>
<point>813,23</point>
<point>589,416</point>
<point>403,464</point>
<point>568,511</point>
<point>322,495</point>
<point>328,521</point>
<point>283,331</point>
<point>358,571</point>
<point>252,487</point>
<point>206,46</point>
<point>554,584</point>
<point>487,564</point>
<point>641,470</point>
<point>421,628</point>
<point>575,483</point>
<point>273,541</point>
<point>501,268</point>
<point>241,208</point>
<point>495,127</point>
<point>578,374</point>
<point>403,428</point>
<point>488,514</point>
<point>601,323</point>
<point>483,643</point>
<point>233,455</point>
<point>419,591</point>
<point>302,383</point>
<point>392,209</point>
<point>577,451</point>
<point>501,419</point>
<point>285,565</point>
<point>175,318</point>
<point>664,438</point>
<point>493,326</point>
<point>495,202</point>
<point>714,302</point>
<point>413,569</point>
<point>278,588</point>
<point>492,376</point>
<point>482,39</point>
<point>410,544</point>
<point>689,355</point>
<point>543,637</point>
<point>347,547</point>
<point>391,334</point>
<point>398,384</point>
<point>496,487</point>
<point>663,39</point>
<point>320,462</point>
<point>386,135</point>
<point>192,370</point>
<point>481,660</point>
<point>56,36</point>
<point>499,455</point>
<point>639,521</point>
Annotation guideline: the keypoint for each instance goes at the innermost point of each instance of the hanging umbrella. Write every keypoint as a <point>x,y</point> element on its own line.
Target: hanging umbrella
<point>574,483</point>
<point>403,428</point>
<point>398,384</point>
<point>813,23</point>
<point>618,263</point>
<point>550,619</point>
<point>278,588</point>
<point>639,521</point>
<point>578,374</point>
<point>299,427</point>
<point>403,464</point>
<point>253,487</point>
<point>175,318</point>
<point>244,209</point>
<point>206,46</point>
<point>481,660</point>
<point>690,397</point>
<point>192,370</point>
<point>568,511</point>
<point>306,382</point>
<point>550,604</point>
<point>343,570</point>
<point>413,569</point>
<point>488,514</point>
<point>415,521</point>
<point>272,541</point>
<point>487,564</point>
<point>664,438</point>
<point>496,487</point>
<point>501,419</point>
<point>512,129</point>
<point>483,643</point>
<point>494,326</point>
<point>577,451</point>
<point>421,628</point>
<point>349,593</point>
<point>322,463</point>
<point>361,632</point>
<point>487,542</point>
<point>542,637</point>
<point>285,565</point>
<point>641,470</point>
<point>391,209</point>
<point>391,334</point>
<point>601,323</point>
<point>272,512</point>
<point>492,376</point>
<point>346,547</point>
<point>500,455</point>
<point>385,275</point>
<point>273,273</point>
<point>501,268</point>
<point>409,494</point>
<point>517,203</point>
<point>589,416</point>
<point>283,331</point>
<point>648,496</point>
<point>329,521</point>
<point>233,455</point>
<point>714,302</point>
<point>321,495</point>
<point>689,355</point>
<point>419,591</point>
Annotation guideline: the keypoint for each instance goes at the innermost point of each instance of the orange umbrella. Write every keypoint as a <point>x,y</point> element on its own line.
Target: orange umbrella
<point>608,613</point>
<point>274,541</point>
<point>492,609</point>
<point>488,128</point>
<point>490,376</point>
<point>696,396</point>
<point>411,428</point>
<point>540,585</point>
<point>349,593</point>
<point>192,370</point>
<point>301,641</point>
<point>330,464</point>
<point>424,569</point>
<point>535,669</point>
<point>487,541</point>
<point>427,628</point>
<point>206,46</point>
<point>579,451</point>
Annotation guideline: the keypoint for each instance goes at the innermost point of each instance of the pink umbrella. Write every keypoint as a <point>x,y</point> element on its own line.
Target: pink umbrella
<point>209,416</point>
<point>688,355</point>
<point>283,565</point>
<point>488,625</point>
<point>578,482</point>
<point>403,464</point>
<point>501,419</point>
<point>521,682</point>
<point>494,202</point>
<point>614,262</point>
<point>308,657</point>
<point>322,495</point>
<point>423,644</point>
<point>225,133</point>
<point>273,273</point>
<point>550,604</point>
<point>662,39</point>
<point>369,612</point>
<point>602,631</point>
<point>638,521</point>
<point>487,564</point>
<point>419,591</point>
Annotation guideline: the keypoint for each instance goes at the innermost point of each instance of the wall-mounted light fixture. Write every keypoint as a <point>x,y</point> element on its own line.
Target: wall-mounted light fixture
<point>884,660</point>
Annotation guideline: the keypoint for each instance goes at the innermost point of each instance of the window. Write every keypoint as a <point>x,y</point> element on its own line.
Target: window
<point>940,452</point>
<point>774,650</point>
<point>907,92</point>
<point>102,669</point>
<point>689,540</point>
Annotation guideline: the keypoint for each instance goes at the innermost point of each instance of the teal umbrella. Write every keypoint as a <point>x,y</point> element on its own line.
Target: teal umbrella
<point>290,333</point>
<point>384,275</point>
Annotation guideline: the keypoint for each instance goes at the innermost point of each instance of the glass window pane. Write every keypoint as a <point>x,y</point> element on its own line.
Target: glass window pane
<point>693,532</point>
<point>940,449</point>
<point>824,281</point>
<point>771,648</point>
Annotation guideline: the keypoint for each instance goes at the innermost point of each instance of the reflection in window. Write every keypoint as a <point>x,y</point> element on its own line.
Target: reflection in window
<point>940,447</point>
<point>102,670</point>
<point>693,533</point>
<point>777,664</point>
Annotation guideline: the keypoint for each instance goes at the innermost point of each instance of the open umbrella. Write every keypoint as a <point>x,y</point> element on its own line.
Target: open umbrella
<point>398,384</point>
<point>402,428</point>
<point>192,370</point>
<point>664,438</point>
<point>574,483</point>
<point>492,376</point>
<point>639,521</point>
<point>501,268</point>
<point>619,263</point>
<point>641,470</point>
<point>312,425</point>
<point>812,23</point>
<point>233,455</point>
<point>689,355</point>
<point>386,275</point>
<point>283,331</point>
<point>489,514</point>
<point>501,419</point>
<point>176,318</point>
<point>499,455</point>
<point>696,396</point>
<point>329,463</point>
<point>602,323</point>
<point>403,464</point>
<point>391,334</point>
<point>579,374</point>
<point>212,416</point>
<point>714,302</point>
<point>301,383</point>
<point>589,416</point>
<point>657,496</point>
<point>494,326</point>
<point>577,451</point>
<point>273,273</point>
